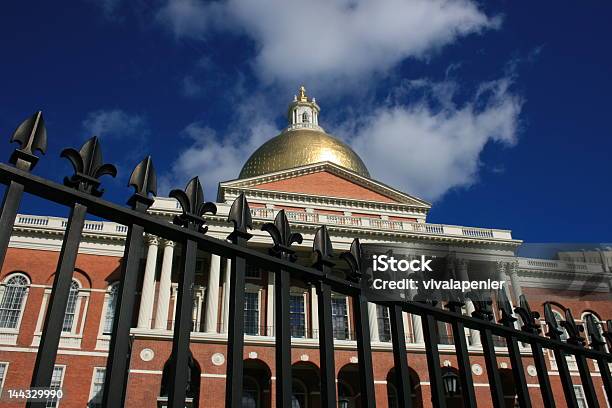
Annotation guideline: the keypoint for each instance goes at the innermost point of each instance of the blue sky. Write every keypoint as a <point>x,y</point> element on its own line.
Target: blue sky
<point>498,113</point>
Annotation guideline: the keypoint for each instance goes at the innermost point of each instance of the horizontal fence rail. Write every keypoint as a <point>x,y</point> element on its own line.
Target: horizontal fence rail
<point>81,193</point>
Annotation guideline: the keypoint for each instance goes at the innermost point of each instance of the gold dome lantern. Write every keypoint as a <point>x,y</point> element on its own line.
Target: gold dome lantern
<point>303,142</point>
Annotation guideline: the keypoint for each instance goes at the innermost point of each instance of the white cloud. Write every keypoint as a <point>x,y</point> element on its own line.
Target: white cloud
<point>115,123</point>
<point>329,41</point>
<point>432,146</point>
<point>190,87</point>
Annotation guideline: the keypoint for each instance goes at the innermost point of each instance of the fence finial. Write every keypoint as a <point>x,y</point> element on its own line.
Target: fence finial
<point>193,205</point>
<point>240,215</point>
<point>31,135</point>
<point>281,234</point>
<point>597,341</point>
<point>354,258</point>
<point>503,304</point>
<point>144,181</point>
<point>573,329</point>
<point>88,167</point>
<point>529,318</point>
<point>554,331</point>
<point>323,249</point>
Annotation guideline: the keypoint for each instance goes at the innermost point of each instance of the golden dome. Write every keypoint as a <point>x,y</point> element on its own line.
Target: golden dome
<point>299,147</point>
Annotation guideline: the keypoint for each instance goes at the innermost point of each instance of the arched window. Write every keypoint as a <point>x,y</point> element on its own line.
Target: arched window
<point>597,322</point>
<point>12,301</point>
<point>111,305</point>
<point>250,393</point>
<point>305,117</point>
<point>71,308</point>
<point>559,318</point>
<point>298,397</point>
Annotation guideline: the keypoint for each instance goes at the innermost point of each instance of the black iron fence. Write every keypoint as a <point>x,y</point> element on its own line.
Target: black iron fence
<point>82,194</point>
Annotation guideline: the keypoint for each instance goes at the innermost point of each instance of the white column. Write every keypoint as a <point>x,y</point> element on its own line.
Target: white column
<point>417,328</point>
<point>314,311</point>
<point>514,280</point>
<point>163,297</point>
<point>373,320</point>
<point>148,285</point>
<point>212,294</point>
<point>462,274</point>
<point>226,300</point>
<point>270,304</point>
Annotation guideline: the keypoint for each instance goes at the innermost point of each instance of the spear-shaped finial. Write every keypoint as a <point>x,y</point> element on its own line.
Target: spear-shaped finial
<point>554,331</point>
<point>503,304</point>
<point>193,205</point>
<point>88,167</point>
<point>240,216</point>
<point>144,181</point>
<point>530,319</point>
<point>573,329</point>
<point>594,331</point>
<point>31,135</point>
<point>323,249</point>
<point>354,258</point>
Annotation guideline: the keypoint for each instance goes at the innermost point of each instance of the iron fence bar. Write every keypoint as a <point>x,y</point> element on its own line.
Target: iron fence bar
<point>283,338</point>
<point>587,382</point>
<point>400,357</point>
<point>240,215</point>
<point>364,351</point>
<point>606,378</point>
<point>326,346</point>
<point>543,379</point>
<point>495,384</point>
<point>54,318</point>
<point>463,358</point>
<point>10,205</point>
<point>117,363</point>
<point>566,379</point>
<point>438,398</point>
<point>518,373</point>
<point>182,327</point>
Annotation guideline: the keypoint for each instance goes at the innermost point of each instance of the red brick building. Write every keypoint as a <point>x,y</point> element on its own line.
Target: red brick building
<point>317,180</point>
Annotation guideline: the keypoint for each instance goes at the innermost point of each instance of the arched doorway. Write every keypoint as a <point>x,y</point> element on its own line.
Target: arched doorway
<point>306,385</point>
<point>193,383</point>
<point>256,384</point>
<point>508,387</point>
<point>349,390</point>
<point>415,389</point>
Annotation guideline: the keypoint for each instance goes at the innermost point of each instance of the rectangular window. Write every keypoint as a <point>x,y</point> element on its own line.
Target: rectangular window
<point>97,387</point>
<point>340,318</point>
<point>56,383</point>
<point>251,313</point>
<point>580,398</point>
<point>3,369</point>
<point>297,317</point>
<point>252,272</point>
<point>384,324</point>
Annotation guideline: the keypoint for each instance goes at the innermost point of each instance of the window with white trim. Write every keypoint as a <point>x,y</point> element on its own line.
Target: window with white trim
<point>56,383</point>
<point>97,387</point>
<point>69,324</point>
<point>580,397</point>
<point>3,370</point>
<point>251,313</point>
<point>12,300</point>
<point>297,315</point>
<point>340,318</point>
<point>111,304</point>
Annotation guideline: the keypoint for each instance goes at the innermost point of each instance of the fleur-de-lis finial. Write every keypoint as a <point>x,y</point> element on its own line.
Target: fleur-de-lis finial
<point>240,215</point>
<point>594,331</point>
<point>503,304</point>
<point>529,318</point>
<point>31,135</point>
<point>354,258</point>
<point>323,249</point>
<point>482,305</point>
<point>144,181</point>
<point>88,167</point>
<point>573,329</point>
<point>554,331</point>
<point>281,234</point>
<point>193,205</point>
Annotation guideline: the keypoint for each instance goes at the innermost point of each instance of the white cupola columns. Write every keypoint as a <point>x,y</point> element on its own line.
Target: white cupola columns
<point>303,112</point>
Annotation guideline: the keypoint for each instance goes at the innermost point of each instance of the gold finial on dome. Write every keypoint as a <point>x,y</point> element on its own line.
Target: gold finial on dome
<point>302,94</point>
